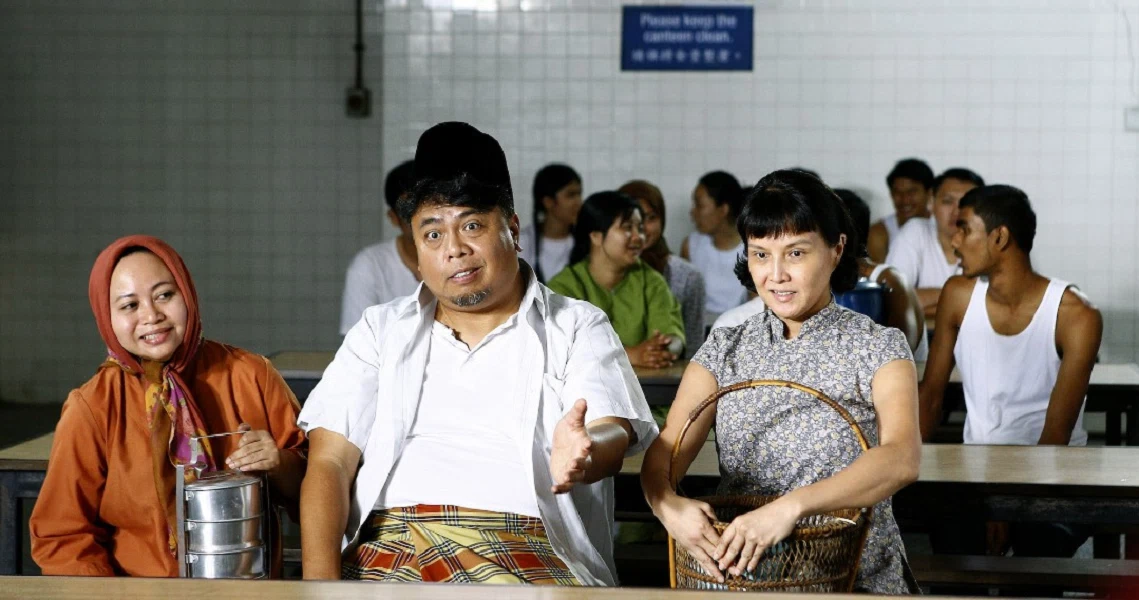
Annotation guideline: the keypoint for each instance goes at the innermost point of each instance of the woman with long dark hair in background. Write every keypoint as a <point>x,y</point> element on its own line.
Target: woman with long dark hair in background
<point>715,245</point>
<point>547,242</point>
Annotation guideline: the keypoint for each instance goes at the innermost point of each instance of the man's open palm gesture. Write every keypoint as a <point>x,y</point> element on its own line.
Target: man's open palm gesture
<point>570,456</point>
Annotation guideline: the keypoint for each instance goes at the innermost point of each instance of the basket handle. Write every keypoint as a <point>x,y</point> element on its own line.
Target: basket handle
<point>715,397</point>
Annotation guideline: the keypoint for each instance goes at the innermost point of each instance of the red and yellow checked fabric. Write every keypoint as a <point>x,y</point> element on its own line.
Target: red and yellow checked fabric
<point>455,545</point>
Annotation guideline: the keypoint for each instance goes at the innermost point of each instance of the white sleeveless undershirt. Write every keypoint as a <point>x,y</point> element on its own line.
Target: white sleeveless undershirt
<point>892,226</point>
<point>723,290</point>
<point>1008,379</point>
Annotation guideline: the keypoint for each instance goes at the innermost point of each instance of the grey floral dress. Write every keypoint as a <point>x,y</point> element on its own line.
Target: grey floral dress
<point>773,440</point>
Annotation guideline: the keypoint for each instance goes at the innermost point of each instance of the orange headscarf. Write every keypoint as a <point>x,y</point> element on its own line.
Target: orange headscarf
<point>171,414</point>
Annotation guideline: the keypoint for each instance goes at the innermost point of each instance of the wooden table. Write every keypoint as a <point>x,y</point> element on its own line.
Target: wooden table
<point>660,385</point>
<point>1092,486</point>
<point>301,370</point>
<point>74,588</point>
<point>27,456</point>
<point>22,470</point>
<point>1097,486</point>
<point>1098,468</point>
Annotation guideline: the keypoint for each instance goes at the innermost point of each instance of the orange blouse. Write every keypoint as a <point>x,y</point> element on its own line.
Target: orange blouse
<point>98,512</point>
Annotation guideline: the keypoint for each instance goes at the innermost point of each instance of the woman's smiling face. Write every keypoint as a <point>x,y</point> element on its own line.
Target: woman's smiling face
<point>148,311</point>
<point>792,272</point>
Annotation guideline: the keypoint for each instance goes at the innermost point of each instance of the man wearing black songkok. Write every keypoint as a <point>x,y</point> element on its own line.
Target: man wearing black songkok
<point>469,432</point>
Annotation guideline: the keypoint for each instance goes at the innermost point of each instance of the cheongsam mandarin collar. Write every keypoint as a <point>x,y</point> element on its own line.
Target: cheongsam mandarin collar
<point>819,321</point>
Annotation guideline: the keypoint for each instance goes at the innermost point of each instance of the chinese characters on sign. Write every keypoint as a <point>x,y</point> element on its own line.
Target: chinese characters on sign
<point>686,38</point>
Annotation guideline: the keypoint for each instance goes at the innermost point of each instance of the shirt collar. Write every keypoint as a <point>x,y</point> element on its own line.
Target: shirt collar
<point>817,322</point>
<point>536,295</point>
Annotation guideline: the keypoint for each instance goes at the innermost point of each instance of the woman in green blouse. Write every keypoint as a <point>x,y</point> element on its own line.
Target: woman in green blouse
<point>606,271</point>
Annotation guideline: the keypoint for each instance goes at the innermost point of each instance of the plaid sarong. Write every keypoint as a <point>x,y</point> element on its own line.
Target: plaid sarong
<point>455,545</point>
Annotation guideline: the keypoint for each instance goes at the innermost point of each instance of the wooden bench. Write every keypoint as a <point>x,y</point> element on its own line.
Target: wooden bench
<point>1068,574</point>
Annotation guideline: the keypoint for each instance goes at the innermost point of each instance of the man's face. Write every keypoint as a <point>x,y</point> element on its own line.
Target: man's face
<point>467,258</point>
<point>945,204</point>
<point>972,244</point>
<point>911,199</point>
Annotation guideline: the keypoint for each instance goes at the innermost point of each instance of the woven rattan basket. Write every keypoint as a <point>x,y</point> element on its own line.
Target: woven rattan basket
<point>821,554</point>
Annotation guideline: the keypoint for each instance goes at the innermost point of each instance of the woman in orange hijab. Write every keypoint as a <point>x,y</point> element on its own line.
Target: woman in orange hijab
<point>107,503</point>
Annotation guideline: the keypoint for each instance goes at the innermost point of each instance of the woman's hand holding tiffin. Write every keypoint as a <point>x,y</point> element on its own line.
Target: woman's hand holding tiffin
<point>257,451</point>
<point>750,534</point>
<point>689,522</point>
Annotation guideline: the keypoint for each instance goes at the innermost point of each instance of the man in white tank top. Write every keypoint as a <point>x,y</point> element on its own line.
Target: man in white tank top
<point>1025,344</point>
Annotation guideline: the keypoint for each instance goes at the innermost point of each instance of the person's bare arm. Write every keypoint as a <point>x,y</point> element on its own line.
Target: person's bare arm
<point>1079,330</point>
<point>903,310</point>
<point>325,498</point>
<point>939,365</point>
<point>584,453</point>
<point>610,438</point>
<point>887,467</point>
<point>689,521</point>
<point>878,242</point>
<point>929,297</point>
<point>695,386</point>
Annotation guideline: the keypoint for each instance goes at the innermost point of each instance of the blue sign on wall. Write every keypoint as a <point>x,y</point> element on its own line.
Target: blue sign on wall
<point>686,38</point>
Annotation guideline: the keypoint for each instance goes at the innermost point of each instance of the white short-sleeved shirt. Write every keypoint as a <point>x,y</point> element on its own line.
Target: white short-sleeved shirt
<point>917,254</point>
<point>472,455</point>
<point>372,389</point>
<point>555,253</point>
<point>376,275</point>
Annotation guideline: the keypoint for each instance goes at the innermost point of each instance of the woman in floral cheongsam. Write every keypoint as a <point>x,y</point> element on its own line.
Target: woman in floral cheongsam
<point>774,440</point>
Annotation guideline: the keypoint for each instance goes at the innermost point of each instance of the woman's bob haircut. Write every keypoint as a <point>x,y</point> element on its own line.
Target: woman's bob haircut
<point>792,202</point>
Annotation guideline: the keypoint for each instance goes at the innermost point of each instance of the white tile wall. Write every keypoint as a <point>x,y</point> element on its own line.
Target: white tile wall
<point>1030,93</point>
<point>216,125</point>
<point>219,126</point>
